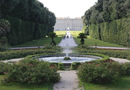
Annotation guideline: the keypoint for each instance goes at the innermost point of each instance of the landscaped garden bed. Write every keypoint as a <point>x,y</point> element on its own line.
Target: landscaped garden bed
<point>112,53</point>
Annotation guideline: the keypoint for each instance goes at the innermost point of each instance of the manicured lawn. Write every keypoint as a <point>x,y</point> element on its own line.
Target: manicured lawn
<point>123,84</point>
<point>92,42</point>
<point>73,33</point>
<point>39,42</point>
<point>24,87</point>
<point>44,41</point>
<point>89,41</point>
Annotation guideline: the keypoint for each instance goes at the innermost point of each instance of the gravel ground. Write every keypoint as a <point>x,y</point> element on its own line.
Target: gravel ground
<point>68,42</point>
<point>69,81</point>
<point>120,60</point>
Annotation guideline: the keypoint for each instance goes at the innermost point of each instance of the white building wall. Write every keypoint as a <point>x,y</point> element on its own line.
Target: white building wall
<point>63,23</point>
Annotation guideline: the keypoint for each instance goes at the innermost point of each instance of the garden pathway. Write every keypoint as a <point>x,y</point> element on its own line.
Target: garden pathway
<point>12,60</point>
<point>120,60</point>
<point>67,44</point>
<point>69,81</point>
<point>114,48</point>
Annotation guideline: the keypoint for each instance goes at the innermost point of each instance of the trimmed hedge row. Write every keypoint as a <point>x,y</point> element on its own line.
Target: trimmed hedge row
<point>112,53</point>
<point>23,53</point>
<point>116,31</point>
<point>23,31</point>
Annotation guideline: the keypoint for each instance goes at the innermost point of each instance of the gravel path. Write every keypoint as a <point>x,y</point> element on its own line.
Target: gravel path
<point>12,60</point>
<point>115,48</point>
<point>68,42</point>
<point>120,60</point>
<point>69,81</point>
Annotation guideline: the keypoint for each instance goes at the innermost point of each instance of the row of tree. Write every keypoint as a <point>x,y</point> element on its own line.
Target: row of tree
<point>108,20</point>
<point>29,20</point>
<point>107,11</point>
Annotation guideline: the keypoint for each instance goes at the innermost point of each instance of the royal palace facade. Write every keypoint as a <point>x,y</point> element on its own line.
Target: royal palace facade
<point>74,24</point>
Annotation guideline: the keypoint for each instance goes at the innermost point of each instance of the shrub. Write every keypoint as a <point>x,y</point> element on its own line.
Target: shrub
<point>126,69</point>
<point>3,68</point>
<point>67,58</point>
<point>32,72</point>
<point>101,73</point>
<point>75,65</point>
<point>3,48</point>
<point>60,66</point>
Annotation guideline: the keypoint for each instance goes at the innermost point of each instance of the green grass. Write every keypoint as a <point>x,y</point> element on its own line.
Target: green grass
<point>89,41</point>
<point>92,42</point>
<point>62,33</point>
<point>123,84</point>
<point>24,87</point>
<point>46,40</point>
<point>39,42</point>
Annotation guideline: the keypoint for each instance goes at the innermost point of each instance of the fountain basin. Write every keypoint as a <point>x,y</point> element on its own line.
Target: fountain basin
<point>60,59</point>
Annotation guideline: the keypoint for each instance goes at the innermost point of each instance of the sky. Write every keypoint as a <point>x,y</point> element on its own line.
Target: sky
<point>68,8</point>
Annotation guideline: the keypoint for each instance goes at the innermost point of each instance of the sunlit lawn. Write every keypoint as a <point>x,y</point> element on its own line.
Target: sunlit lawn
<point>62,33</point>
<point>123,84</point>
<point>92,42</point>
<point>89,41</point>
<point>24,87</point>
<point>46,40</point>
<point>39,42</point>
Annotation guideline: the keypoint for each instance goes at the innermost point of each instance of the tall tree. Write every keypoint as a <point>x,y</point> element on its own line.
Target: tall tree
<point>4,27</point>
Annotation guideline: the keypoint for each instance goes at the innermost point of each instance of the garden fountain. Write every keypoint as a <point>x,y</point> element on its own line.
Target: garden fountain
<point>73,57</point>
<point>68,57</point>
<point>67,54</point>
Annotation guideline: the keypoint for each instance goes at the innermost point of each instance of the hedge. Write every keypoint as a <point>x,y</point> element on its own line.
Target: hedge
<point>116,31</point>
<point>23,31</point>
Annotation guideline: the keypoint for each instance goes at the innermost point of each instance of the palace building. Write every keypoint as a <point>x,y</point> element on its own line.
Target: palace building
<point>74,24</point>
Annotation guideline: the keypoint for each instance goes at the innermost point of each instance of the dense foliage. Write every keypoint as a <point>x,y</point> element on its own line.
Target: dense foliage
<point>4,68</point>
<point>101,73</point>
<point>4,27</point>
<point>29,20</point>
<point>108,20</point>
<point>32,72</point>
<point>75,65</point>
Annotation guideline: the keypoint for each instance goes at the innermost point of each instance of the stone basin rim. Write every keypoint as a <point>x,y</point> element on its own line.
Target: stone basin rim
<point>85,58</point>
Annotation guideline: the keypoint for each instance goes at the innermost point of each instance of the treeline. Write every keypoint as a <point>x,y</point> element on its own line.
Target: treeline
<point>29,20</point>
<point>109,20</point>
